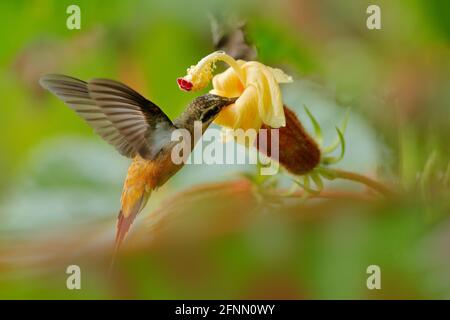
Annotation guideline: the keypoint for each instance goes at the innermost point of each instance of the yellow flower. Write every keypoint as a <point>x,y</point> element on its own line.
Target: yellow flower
<point>256,85</point>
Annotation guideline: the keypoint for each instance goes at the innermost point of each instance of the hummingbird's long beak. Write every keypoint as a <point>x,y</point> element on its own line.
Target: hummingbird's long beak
<point>204,108</point>
<point>218,101</point>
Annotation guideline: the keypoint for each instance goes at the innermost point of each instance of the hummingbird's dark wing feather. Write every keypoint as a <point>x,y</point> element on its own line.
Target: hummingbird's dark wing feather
<point>75,94</point>
<point>139,120</point>
<point>120,115</point>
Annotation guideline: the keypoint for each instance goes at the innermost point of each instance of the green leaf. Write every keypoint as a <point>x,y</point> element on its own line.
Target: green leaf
<point>335,144</point>
<point>318,181</point>
<point>316,125</point>
<point>306,185</point>
<point>332,160</point>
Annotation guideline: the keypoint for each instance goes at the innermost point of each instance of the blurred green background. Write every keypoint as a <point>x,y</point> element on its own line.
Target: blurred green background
<point>60,184</point>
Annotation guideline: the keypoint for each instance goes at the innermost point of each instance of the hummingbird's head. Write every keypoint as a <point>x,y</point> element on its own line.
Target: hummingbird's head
<point>209,105</point>
<point>204,108</point>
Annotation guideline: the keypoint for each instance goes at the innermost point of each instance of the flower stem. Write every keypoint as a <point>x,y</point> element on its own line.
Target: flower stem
<point>378,186</point>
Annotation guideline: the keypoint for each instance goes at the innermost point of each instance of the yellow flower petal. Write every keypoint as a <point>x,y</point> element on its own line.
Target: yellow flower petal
<point>270,101</point>
<point>274,116</point>
<point>227,117</point>
<point>241,114</point>
<point>279,75</point>
<point>227,84</point>
<point>246,108</point>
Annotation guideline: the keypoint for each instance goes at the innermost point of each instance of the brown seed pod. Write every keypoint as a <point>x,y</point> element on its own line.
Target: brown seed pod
<point>298,152</point>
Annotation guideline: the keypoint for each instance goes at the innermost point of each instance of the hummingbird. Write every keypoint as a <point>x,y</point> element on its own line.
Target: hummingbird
<point>138,129</point>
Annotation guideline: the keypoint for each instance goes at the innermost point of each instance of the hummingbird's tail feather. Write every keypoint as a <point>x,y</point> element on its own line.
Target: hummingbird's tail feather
<point>123,226</point>
<point>130,209</point>
<point>133,202</point>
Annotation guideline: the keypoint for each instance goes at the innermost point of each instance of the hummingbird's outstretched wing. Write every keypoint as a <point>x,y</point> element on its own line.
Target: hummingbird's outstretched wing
<point>120,115</point>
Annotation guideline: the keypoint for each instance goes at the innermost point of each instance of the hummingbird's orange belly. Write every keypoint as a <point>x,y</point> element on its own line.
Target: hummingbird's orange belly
<point>143,177</point>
